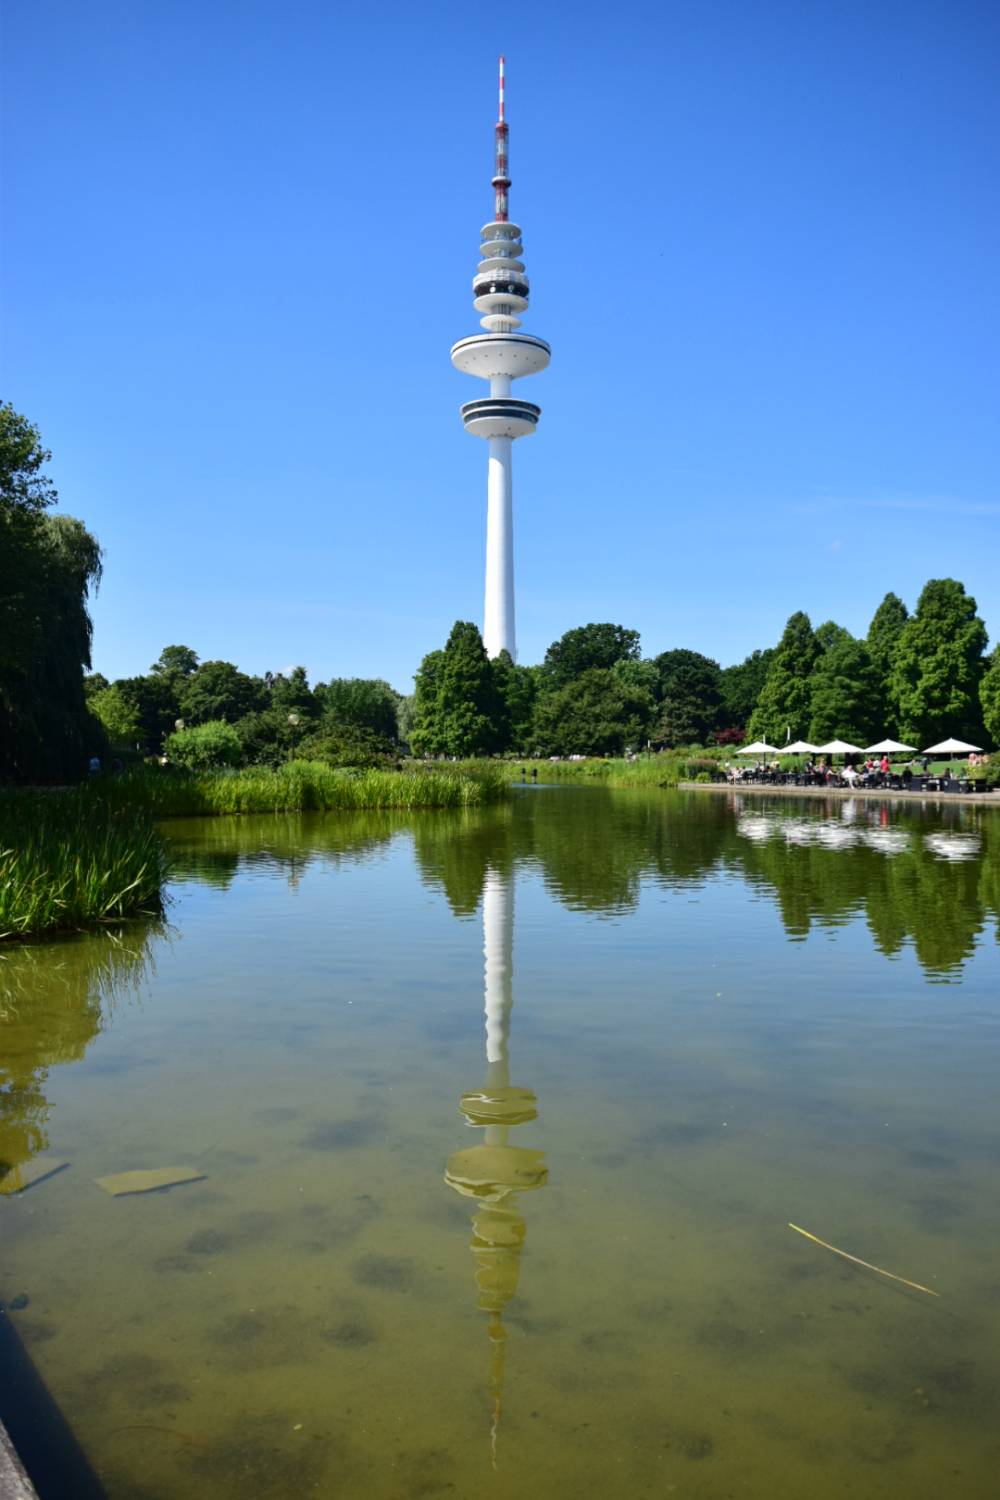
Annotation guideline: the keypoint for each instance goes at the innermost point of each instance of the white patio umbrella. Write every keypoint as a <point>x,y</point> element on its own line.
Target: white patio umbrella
<point>799,747</point>
<point>759,747</point>
<point>951,747</point>
<point>839,747</point>
<point>887,747</point>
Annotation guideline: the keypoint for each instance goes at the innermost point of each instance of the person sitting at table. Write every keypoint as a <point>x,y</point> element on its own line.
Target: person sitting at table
<point>849,775</point>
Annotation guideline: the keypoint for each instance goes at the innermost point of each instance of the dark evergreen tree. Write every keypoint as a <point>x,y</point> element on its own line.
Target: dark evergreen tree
<point>741,685</point>
<point>845,696</point>
<point>459,709</point>
<point>938,665</point>
<point>784,709</point>
<point>690,697</point>
<point>882,639</point>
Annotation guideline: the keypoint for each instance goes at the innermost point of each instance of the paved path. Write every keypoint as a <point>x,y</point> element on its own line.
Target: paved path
<point>919,799</point>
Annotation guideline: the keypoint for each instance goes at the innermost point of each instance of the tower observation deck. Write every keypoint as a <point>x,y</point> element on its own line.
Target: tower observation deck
<point>500,355</point>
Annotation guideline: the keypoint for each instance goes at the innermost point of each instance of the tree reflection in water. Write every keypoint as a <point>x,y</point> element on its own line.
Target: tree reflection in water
<point>49,1014</point>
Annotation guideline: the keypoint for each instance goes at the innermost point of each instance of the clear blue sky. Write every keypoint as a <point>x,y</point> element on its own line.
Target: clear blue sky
<point>762,237</point>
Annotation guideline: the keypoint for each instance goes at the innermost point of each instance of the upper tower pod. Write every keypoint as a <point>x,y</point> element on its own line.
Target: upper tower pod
<point>500,286</point>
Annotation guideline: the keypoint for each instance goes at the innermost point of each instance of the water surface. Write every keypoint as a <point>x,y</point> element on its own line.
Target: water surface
<point>545,1250</point>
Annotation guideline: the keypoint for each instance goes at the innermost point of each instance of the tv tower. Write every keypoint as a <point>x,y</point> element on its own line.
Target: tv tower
<point>500,355</point>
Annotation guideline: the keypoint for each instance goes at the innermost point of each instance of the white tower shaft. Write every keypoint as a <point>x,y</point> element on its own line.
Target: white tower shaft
<point>498,612</point>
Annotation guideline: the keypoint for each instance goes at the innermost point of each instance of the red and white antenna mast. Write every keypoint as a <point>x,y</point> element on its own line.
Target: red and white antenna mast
<point>501,182</point>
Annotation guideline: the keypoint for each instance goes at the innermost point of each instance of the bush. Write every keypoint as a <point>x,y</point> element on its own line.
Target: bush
<point>348,745</point>
<point>206,747</point>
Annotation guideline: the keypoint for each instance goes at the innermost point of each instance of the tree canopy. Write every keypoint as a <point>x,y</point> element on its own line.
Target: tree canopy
<point>460,710</point>
<point>937,666</point>
<point>784,707</point>
<point>690,697</point>
<point>49,565</point>
<point>586,647</point>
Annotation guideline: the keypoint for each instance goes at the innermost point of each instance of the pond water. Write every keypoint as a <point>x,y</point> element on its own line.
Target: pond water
<point>503,1118</point>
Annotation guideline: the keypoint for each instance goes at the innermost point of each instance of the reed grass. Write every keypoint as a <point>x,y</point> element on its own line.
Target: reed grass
<point>306,786</point>
<point>665,770</point>
<point>71,858</point>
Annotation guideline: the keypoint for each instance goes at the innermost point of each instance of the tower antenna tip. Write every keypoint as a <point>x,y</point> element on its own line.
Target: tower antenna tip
<point>502,66</point>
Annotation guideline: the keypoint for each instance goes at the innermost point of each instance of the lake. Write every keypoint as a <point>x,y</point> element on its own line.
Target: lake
<point>503,1117</point>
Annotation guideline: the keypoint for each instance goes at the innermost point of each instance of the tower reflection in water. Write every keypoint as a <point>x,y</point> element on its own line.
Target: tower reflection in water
<point>494,1172</point>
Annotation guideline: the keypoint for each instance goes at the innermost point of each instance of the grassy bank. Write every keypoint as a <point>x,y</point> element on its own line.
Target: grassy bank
<point>668,769</point>
<point>304,786</point>
<point>69,859</point>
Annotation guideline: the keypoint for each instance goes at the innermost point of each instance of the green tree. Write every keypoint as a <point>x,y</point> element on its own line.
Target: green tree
<point>596,714</point>
<point>119,716</point>
<point>741,685</point>
<point>882,639</point>
<point>690,697</point>
<point>176,662</point>
<point>829,633</point>
<point>938,665</point>
<point>218,690</point>
<point>459,710</point>
<point>989,697</point>
<point>292,694</point>
<point>365,702</point>
<point>518,690</point>
<point>155,701</point>
<point>587,647</point>
<point>48,566</point>
<point>205,747</point>
<point>784,704</point>
<point>845,695</point>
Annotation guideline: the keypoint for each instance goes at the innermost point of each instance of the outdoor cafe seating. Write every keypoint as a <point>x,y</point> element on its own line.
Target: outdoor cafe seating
<point>909,777</point>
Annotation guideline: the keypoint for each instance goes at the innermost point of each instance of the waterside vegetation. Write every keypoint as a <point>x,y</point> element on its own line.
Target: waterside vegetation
<point>74,858</point>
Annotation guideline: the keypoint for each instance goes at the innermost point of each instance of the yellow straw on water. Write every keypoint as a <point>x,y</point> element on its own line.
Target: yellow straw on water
<point>866,1263</point>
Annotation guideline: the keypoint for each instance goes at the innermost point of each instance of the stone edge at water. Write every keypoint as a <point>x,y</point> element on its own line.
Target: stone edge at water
<point>14,1482</point>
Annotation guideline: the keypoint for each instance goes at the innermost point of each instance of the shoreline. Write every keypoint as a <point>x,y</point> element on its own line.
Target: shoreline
<point>918,799</point>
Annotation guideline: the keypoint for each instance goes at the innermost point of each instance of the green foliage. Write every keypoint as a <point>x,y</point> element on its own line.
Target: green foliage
<point>518,691</point>
<point>587,648</point>
<point>176,662</point>
<point>597,714</point>
<point>292,694</point>
<point>937,666</point>
<point>47,566</point>
<point>741,685</point>
<point>784,705</point>
<point>884,633</point>
<point>347,745</point>
<point>218,690</point>
<point>204,747</point>
<point>845,694</point>
<point>71,858</point>
<point>155,702</point>
<point>118,715</point>
<point>364,702</point>
<point>989,697</point>
<point>303,786</point>
<point>690,697</point>
<point>459,708</point>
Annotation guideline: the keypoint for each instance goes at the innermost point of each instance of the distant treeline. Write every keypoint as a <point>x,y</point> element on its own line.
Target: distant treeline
<point>918,677</point>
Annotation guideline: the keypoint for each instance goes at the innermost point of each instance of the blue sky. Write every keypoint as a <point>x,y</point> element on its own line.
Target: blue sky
<point>762,237</point>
